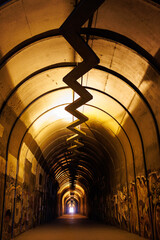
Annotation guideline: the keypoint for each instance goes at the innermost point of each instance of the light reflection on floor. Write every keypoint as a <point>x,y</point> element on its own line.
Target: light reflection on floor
<point>76,227</point>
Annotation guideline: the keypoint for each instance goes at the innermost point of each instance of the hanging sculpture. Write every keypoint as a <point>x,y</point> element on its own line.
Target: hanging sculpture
<point>70,30</point>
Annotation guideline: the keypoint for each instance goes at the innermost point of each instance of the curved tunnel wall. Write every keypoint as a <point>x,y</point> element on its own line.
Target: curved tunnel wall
<point>118,166</point>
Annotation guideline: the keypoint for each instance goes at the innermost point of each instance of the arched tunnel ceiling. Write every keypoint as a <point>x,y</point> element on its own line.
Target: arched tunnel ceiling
<point>125,86</point>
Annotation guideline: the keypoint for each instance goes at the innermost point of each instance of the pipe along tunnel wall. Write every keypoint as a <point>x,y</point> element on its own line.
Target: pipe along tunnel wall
<point>115,175</point>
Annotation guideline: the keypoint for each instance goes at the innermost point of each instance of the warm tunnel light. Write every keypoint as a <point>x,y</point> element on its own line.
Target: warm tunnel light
<point>51,116</point>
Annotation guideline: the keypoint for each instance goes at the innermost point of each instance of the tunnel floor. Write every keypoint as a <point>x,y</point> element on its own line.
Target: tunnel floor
<point>76,227</point>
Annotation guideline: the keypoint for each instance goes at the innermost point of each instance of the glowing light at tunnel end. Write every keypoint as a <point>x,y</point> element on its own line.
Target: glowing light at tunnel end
<point>71,210</point>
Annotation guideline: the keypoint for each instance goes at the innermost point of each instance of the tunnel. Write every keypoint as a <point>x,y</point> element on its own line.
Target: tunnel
<point>102,56</point>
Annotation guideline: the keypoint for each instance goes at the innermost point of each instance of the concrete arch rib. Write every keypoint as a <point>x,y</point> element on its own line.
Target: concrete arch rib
<point>51,91</point>
<point>15,124</point>
<point>99,67</point>
<point>118,161</point>
<point>65,88</point>
<point>107,34</point>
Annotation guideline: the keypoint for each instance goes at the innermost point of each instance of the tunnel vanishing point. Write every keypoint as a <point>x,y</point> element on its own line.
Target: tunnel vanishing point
<point>100,61</point>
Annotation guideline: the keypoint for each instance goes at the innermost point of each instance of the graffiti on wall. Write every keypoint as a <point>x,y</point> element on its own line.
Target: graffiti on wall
<point>18,208</point>
<point>154,185</point>
<point>143,207</point>
<point>117,206</point>
<point>30,203</point>
<point>2,173</point>
<point>134,226</point>
<point>28,207</point>
<point>8,210</point>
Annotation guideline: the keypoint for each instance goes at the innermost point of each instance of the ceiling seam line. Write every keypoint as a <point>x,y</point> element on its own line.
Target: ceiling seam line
<point>26,18</point>
<point>110,66</point>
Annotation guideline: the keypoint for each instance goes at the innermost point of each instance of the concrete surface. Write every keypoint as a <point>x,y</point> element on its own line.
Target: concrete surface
<point>76,227</point>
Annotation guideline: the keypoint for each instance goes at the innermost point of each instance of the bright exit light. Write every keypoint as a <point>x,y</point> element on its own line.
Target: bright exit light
<point>71,210</point>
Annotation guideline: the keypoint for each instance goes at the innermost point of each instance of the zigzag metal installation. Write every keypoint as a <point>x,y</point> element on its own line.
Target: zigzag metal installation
<point>70,30</point>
